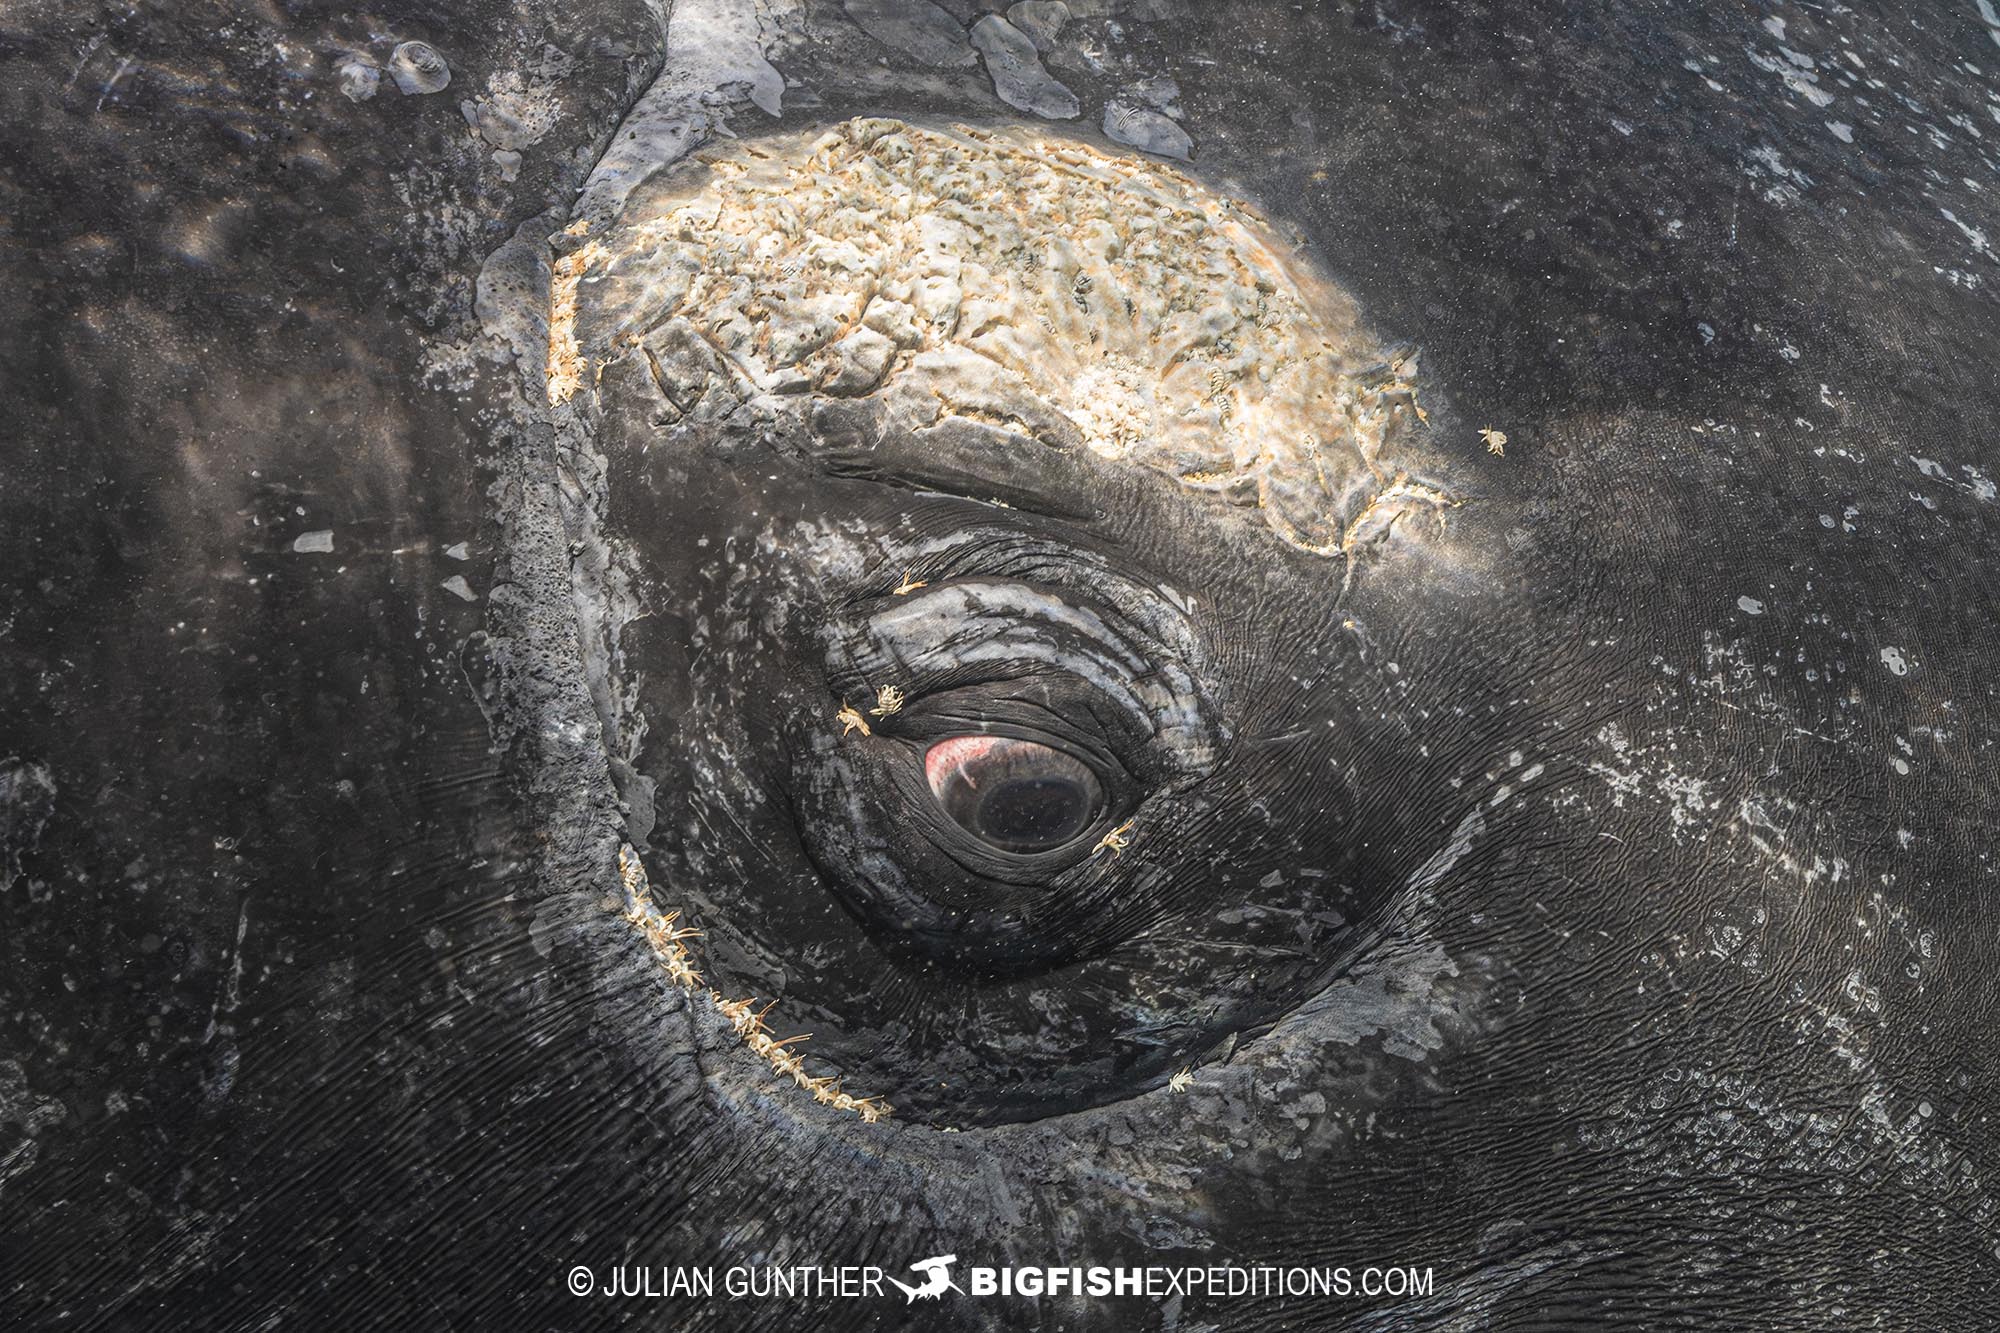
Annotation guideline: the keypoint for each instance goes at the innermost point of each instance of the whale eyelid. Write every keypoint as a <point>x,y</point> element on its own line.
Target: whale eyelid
<point>966,613</point>
<point>959,458</point>
<point>971,634</point>
<point>1162,616</point>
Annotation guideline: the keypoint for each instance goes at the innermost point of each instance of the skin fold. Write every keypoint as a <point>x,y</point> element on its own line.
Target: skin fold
<point>479,701</point>
<point>1081,972</point>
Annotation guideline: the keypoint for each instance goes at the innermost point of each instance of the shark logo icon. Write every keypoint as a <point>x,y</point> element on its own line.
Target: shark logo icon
<point>936,1279</point>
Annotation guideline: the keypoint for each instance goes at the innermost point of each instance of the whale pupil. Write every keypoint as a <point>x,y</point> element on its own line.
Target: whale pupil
<point>1033,812</point>
<point>1015,795</point>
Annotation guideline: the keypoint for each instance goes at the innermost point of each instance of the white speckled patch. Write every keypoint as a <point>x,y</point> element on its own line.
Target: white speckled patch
<point>985,269</point>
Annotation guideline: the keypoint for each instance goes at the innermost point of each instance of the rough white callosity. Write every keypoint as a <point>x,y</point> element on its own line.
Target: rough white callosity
<point>1005,275</point>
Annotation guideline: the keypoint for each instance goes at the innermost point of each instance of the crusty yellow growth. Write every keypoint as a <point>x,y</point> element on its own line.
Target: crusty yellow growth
<point>666,940</point>
<point>983,270</point>
<point>565,360</point>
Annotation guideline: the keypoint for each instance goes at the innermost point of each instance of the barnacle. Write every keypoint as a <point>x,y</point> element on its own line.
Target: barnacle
<point>418,68</point>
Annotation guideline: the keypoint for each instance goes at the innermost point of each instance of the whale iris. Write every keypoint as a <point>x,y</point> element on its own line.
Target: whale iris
<point>1018,795</point>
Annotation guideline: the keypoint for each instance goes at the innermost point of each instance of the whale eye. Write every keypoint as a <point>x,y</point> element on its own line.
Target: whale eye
<point>1016,795</point>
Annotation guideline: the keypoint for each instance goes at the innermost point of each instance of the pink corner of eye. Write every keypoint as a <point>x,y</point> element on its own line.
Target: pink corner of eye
<point>953,753</point>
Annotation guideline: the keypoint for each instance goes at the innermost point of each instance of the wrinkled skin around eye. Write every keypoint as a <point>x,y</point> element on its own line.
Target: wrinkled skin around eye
<point>798,557</point>
<point>963,980</point>
<point>1017,795</point>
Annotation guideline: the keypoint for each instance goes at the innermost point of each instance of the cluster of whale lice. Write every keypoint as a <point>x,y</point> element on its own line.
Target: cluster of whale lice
<point>1070,296</point>
<point>667,940</point>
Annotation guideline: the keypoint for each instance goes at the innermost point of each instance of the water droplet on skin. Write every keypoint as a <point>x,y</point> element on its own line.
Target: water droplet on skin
<point>419,67</point>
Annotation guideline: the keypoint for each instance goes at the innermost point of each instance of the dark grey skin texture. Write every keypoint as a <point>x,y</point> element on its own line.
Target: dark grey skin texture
<point>1661,993</point>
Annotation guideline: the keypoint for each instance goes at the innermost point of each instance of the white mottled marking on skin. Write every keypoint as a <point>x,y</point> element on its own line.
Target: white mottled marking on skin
<point>1033,285</point>
<point>1992,21</point>
<point>1973,234</point>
